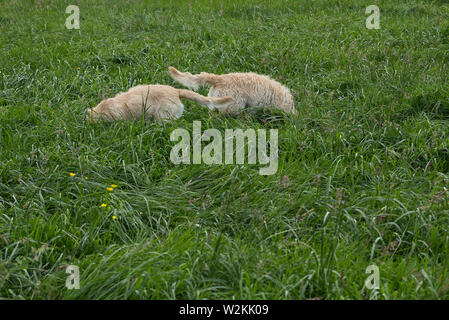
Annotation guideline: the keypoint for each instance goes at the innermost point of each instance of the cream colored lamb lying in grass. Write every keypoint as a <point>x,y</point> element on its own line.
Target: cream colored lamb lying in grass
<point>247,89</point>
<point>154,101</point>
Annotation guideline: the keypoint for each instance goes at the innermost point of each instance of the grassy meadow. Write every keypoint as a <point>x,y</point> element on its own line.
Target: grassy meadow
<point>363,175</point>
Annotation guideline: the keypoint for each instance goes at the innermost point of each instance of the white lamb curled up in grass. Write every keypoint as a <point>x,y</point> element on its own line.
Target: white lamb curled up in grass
<point>248,90</point>
<point>153,101</point>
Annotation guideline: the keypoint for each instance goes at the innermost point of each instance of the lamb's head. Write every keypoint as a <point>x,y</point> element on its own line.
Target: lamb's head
<point>107,110</point>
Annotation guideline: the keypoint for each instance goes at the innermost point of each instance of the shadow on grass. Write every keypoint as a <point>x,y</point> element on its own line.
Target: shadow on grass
<point>434,104</point>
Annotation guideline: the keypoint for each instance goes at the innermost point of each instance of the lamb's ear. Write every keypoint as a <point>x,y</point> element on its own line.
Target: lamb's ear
<point>115,111</point>
<point>127,113</point>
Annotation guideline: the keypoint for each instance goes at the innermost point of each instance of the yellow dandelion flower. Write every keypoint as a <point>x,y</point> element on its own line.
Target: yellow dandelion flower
<point>114,186</point>
<point>103,205</point>
<point>72,174</point>
<point>109,189</point>
<point>85,178</point>
<point>114,217</point>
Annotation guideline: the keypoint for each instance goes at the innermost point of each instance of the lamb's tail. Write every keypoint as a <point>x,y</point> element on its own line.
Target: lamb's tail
<point>211,102</point>
<point>193,81</point>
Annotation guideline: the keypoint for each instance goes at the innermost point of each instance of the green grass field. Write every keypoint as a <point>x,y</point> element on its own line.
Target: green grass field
<point>363,174</point>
